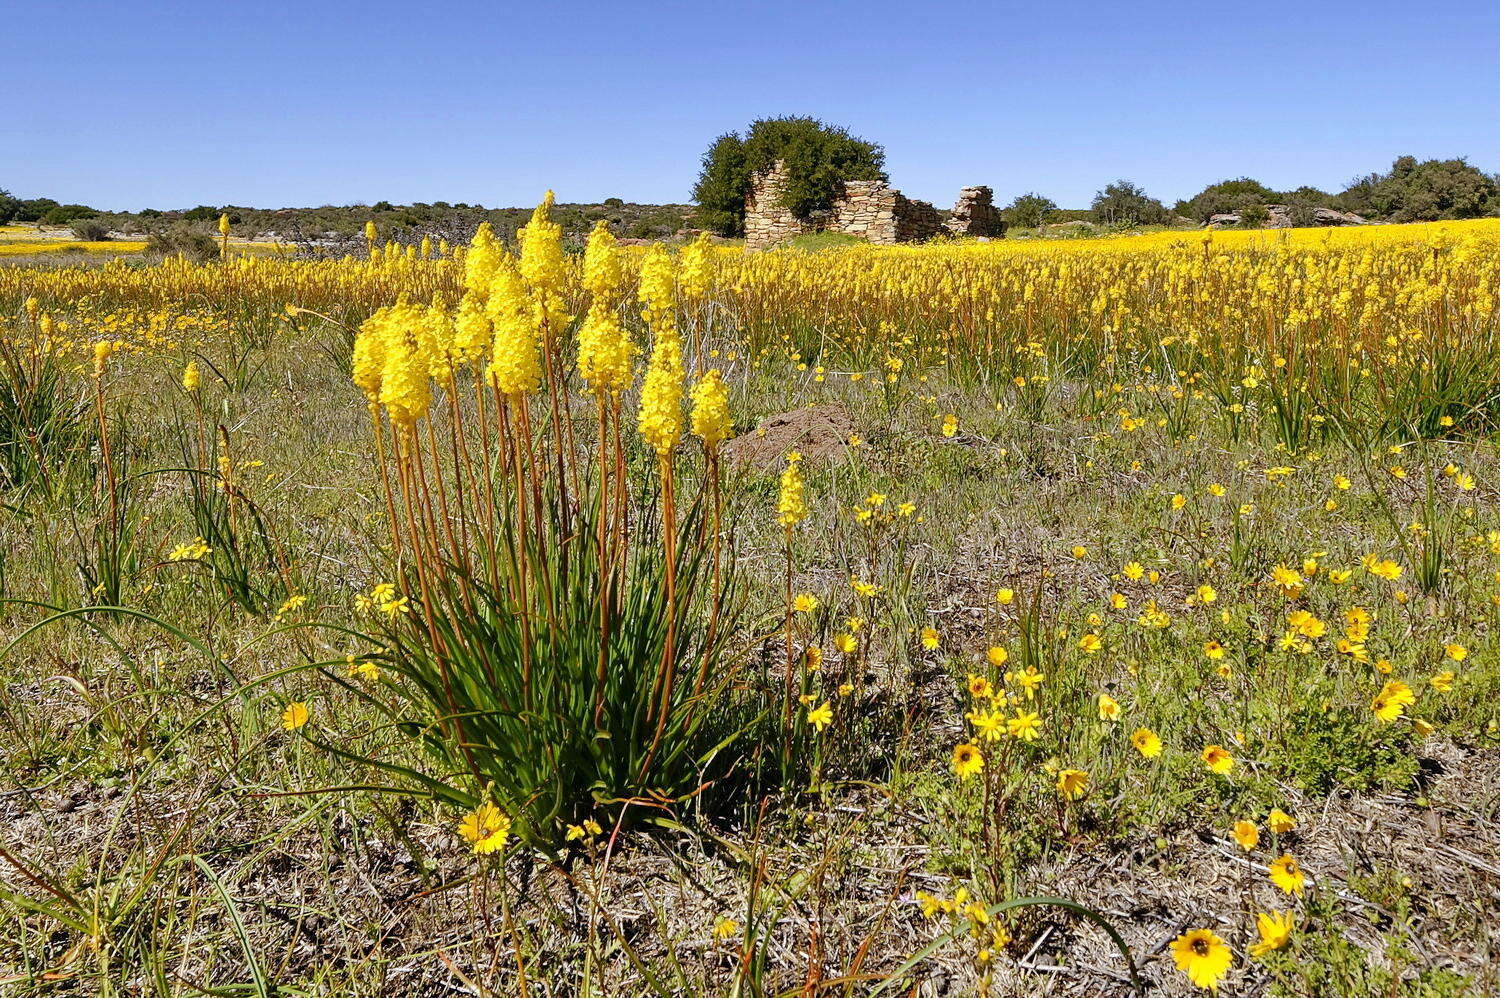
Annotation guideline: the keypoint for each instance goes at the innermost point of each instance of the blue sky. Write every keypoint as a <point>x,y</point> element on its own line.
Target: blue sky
<point>126,104</point>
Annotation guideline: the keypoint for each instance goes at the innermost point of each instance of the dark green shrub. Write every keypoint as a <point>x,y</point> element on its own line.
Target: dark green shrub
<point>182,240</point>
<point>65,213</point>
<point>1253,215</point>
<point>1029,210</point>
<point>1125,203</point>
<point>32,210</point>
<point>1302,202</point>
<point>90,230</point>
<point>723,181</point>
<point>1227,197</point>
<point>1430,190</point>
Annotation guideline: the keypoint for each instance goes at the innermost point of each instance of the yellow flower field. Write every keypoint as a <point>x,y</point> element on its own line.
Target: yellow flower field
<point>36,247</point>
<point>712,622</point>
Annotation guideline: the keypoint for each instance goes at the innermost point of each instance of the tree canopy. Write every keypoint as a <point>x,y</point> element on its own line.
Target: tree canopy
<point>1424,191</point>
<point>1029,210</point>
<point>1126,203</point>
<point>1226,197</point>
<point>1411,191</point>
<point>818,157</point>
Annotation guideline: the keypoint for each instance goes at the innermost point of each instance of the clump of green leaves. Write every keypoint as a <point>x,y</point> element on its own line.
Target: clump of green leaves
<point>1322,749</point>
<point>504,684</point>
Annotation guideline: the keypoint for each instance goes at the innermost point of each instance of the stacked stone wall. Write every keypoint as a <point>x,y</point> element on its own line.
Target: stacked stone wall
<point>767,222</point>
<point>869,209</point>
<point>916,221</point>
<point>975,214</point>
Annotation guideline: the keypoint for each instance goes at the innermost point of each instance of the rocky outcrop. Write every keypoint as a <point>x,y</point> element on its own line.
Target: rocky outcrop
<point>1328,216</point>
<point>1279,216</point>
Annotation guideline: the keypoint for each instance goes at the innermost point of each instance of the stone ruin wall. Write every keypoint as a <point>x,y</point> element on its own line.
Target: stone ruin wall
<point>869,209</point>
<point>975,214</point>
<point>766,221</point>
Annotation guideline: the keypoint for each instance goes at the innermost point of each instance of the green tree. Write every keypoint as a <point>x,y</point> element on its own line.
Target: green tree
<point>1302,202</point>
<point>62,214</point>
<point>1029,210</point>
<point>723,181</point>
<point>1424,191</point>
<point>1254,215</point>
<point>8,205</point>
<point>1227,197</point>
<point>1127,204</point>
<point>33,209</point>
<point>818,158</point>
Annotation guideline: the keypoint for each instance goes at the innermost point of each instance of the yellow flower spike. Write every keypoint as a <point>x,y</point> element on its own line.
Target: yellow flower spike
<point>657,292</point>
<point>791,503</point>
<point>603,269</point>
<point>711,420</point>
<point>515,367</point>
<point>542,263</point>
<point>697,269</point>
